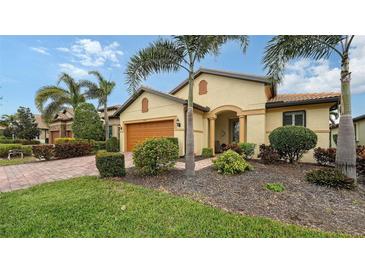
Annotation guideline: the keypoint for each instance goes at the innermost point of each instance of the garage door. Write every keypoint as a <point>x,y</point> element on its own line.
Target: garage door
<point>140,131</point>
<point>54,135</point>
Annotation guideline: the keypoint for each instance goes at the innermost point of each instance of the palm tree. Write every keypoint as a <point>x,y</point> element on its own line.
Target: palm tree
<point>171,55</point>
<point>50,100</point>
<point>283,48</point>
<point>101,92</point>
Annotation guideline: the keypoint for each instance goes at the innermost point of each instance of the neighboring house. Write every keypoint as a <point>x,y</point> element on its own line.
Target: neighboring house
<point>114,123</point>
<point>61,126</point>
<point>43,129</point>
<point>229,107</point>
<point>2,130</point>
<point>359,126</point>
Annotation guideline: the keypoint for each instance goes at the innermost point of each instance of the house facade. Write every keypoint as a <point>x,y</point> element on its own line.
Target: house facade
<point>61,125</point>
<point>228,107</point>
<point>359,127</point>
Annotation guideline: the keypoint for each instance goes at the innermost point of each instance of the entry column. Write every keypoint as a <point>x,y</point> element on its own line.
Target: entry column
<point>242,128</point>
<point>212,133</point>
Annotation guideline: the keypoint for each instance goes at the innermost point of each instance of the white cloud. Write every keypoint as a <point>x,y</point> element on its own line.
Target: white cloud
<point>73,70</point>
<point>63,49</point>
<point>91,53</point>
<point>316,76</point>
<point>41,50</point>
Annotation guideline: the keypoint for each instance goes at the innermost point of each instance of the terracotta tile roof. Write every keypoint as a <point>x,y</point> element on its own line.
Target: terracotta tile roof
<point>303,98</point>
<point>40,121</point>
<point>65,115</point>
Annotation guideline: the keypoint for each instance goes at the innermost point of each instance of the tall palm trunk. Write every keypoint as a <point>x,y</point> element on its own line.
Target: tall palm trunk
<point>189,154</point>
<point>346,147</point>
<point>106,121</point>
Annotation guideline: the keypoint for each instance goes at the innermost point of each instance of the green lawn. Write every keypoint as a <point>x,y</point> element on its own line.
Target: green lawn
<point>16,161</point>
<point>92,207</point>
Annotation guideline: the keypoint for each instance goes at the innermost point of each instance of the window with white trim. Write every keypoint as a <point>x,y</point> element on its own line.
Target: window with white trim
<point>294,118</point>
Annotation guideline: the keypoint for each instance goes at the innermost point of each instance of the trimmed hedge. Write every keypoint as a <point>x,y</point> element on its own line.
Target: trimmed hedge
<point>112,145</point>
<point>330,177</point>
<point>72,149</point>
<point>268,154</point>
<point>43,151</point>
<point>207,152</point>
<point>19,141</point>
<point>98,145</point>
<point>64,140</point>
<point>291,142</point>
<point>155,156</point>
<point>248,149</point>
<point>230,162</point>
<point>4,149</point>
<point>110,164</point>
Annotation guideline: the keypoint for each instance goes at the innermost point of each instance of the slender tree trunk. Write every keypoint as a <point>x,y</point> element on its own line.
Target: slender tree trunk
<point>189,154</point>
<point>346,147</point>
<point>106,121</point>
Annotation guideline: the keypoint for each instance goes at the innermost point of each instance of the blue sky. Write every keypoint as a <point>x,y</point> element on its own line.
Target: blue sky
<point>30,62</point>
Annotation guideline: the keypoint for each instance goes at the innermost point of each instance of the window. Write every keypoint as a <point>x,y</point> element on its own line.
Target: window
<point>294,118</point>
<point>144,105</point>
<point>110,131</point>
<point>203,87</point>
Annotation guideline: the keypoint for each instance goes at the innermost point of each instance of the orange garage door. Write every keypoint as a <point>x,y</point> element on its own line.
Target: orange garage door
<point>138,132</point>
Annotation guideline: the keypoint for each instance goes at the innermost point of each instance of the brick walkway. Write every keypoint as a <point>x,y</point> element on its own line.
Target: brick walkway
<point>27,175</point>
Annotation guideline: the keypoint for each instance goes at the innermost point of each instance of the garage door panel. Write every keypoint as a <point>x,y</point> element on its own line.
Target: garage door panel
<point>138,132</point>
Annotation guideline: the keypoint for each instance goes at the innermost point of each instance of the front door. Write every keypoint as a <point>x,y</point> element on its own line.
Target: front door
<point>234,130</point>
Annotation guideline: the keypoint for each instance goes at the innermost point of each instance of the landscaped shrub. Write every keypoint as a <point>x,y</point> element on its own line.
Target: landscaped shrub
<point>268,154</point>
<point>330,177</point>
<point>360,160</point>
<point>112,145</point>
<point>43,151</point>
<point>207,152</point>
<point>19,141</point>
<point>72,149</point>
<point>235,147</point>
<point>230,162</point>
<point>155,155</point>
<point>174,140</point>
<point>64,140</point>
<point>276,187</point>
<point>4,149</point>
<point>98,145</point>
<point>291,142</point>
<point>248,149</point>
<point>110,164</point>
<point>325,156</point>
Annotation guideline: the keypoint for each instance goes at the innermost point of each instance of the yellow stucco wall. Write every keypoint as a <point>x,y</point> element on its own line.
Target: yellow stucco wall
<point>317,119</point>
<point>360,133</point>
<point>227,91</point>
<point>158,107</point>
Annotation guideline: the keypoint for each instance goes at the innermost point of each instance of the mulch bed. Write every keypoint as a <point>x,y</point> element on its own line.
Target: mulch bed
<point>301,203</point>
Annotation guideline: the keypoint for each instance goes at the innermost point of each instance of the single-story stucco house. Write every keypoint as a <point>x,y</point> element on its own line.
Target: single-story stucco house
<point>61,125</point>
<point>43,129</point>
<point>359,127</point>
<point>229,107</point>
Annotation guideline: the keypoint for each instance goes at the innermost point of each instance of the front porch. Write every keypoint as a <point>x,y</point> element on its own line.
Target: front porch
<point>227,125</point>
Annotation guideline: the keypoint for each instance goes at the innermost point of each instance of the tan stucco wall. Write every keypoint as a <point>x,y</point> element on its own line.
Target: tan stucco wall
<point>158,107</point>
<point>317,119</point>
<point>227,91</point>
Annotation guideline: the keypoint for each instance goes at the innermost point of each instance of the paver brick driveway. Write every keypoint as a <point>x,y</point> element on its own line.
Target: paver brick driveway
<point>26,175</point>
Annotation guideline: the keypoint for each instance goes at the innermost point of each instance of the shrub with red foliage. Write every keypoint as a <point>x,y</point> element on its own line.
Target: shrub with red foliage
<point>74,149</point>
<point>43,151</point>
<point>360,160</point>
<point>268,154</point>
<point>325,156</point>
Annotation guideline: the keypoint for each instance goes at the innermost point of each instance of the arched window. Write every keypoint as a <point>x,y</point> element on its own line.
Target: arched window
<point>203,87</point>
<point>144,105</point>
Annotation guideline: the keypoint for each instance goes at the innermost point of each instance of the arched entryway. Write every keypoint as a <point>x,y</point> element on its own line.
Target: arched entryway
<point>227,124</point>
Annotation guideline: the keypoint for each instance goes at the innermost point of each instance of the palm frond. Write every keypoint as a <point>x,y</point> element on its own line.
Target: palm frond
<point>160,56</point>
<point>283,48</point>
<point>97,75</point>
<point>47,93</point>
